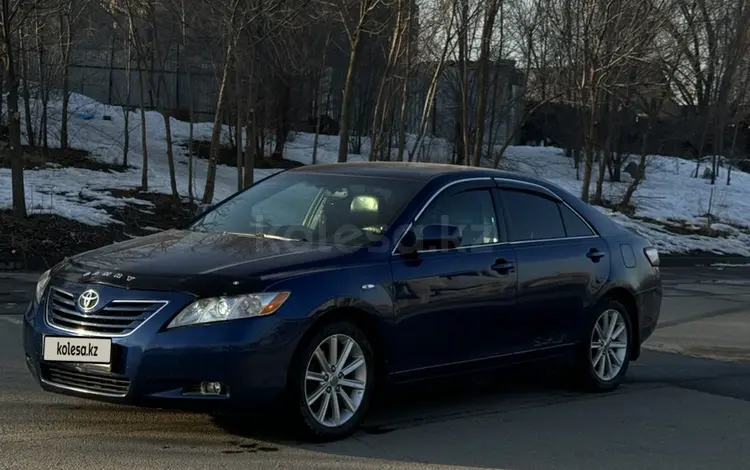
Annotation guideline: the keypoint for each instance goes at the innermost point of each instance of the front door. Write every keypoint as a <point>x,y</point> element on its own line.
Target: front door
<point>451,302</point>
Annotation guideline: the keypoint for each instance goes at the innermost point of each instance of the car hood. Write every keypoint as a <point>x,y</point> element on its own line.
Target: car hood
<point>198,263</point>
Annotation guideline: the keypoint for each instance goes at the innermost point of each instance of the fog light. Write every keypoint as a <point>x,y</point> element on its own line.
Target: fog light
<point>211,388</point>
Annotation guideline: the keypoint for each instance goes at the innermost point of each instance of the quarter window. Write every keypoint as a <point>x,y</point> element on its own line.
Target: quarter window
<point>473,212</point>
<point>574,226</point>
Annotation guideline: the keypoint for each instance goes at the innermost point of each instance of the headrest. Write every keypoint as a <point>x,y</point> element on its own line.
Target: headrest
<point>364,203</point>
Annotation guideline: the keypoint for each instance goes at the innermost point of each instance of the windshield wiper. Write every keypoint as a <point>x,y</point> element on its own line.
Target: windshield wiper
<point>268,235</point>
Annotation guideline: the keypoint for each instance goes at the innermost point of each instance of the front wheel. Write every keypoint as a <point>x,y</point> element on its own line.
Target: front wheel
<point>604,356</point>
<point>332,381</point>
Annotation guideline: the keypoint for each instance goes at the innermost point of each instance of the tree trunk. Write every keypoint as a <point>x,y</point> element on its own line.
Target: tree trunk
<point>44,85</point>
<point>282,127</point>
<point>208,193</point>
<point>250,131</point>
<point>718,146</point>
<point>405,89</point>
<point>587,170</point>
<point>26,96</point>
<point>170,155</point>
<point>346,98</point>
<point>484,57</point>
<point>191,157</point>
<point>589,137</point>
<point>429,103</point>
<point>144,136</point>
<point>639,175</point>
<point>14,131</point>
<point>463,58</point>
<point>702,145</point>
<point>66,38</point>
<point>606,156</point>
<point>737,124</point>
<point>249,163</point>
<point>317,119</point>
<point>493,111</point>
<point>126,107</point>
<point>376,134</point>
<point>2,87</point>
<point>238,127</point>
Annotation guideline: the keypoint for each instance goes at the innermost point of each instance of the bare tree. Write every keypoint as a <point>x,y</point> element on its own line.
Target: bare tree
<point>13,16</point>
<point>433,61</point>
<point>233,18</point>
<point>70,14</point>
<point>712,36</point>
<point>355,18</point>
<point>491,8</point>
<point>385,95</point>
<point>409,52</point>
<point>128,14</point>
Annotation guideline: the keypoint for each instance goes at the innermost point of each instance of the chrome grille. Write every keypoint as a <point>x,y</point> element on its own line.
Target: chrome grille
<point>117,318</point>
<point>85,381</point>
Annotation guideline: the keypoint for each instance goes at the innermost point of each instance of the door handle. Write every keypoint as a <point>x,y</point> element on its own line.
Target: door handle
<point>503,266</point>
<point>595,255</point>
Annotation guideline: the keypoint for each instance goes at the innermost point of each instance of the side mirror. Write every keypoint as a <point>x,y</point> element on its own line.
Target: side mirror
<point>432,237</point>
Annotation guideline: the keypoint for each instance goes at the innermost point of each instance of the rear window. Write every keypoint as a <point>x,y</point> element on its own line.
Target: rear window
<point>531,216</point>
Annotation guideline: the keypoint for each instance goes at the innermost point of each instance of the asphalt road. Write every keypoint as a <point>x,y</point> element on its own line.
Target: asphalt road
<point>675,411</point>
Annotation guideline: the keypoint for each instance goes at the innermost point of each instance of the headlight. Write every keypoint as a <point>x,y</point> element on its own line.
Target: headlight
<point>41,285</point>
<point>229,308</point>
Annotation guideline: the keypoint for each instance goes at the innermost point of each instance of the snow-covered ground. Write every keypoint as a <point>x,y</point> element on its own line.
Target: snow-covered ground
<point>668,195</point>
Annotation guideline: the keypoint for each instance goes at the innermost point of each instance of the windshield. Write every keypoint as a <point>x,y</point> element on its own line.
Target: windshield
<point>332,209</point>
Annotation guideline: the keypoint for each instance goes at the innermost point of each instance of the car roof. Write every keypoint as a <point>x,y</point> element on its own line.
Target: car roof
<point>407,170</point>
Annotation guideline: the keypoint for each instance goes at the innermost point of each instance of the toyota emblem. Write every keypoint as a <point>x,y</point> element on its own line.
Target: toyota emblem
<point>88,300</point>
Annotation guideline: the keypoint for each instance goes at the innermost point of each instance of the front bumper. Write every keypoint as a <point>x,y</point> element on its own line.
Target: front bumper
<point>158,367</point>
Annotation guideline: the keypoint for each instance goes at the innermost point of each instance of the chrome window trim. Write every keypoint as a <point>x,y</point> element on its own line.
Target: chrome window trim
<point>594,234</point>
<point>536,186</point>
<point>86,333</point>
<point>522,242</point>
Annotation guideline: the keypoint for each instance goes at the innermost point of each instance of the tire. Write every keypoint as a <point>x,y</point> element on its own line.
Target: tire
<point>592,371</point>
<point>322,385</point>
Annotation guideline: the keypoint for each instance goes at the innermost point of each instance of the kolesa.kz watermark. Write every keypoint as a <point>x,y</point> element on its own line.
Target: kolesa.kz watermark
<point>84,350</point>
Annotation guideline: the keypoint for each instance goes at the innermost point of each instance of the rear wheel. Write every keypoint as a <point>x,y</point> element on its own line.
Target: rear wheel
<point>604,356</point>
<point>332,381</point>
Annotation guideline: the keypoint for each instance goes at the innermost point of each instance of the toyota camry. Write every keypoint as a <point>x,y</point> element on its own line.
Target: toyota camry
<point>317,286</point>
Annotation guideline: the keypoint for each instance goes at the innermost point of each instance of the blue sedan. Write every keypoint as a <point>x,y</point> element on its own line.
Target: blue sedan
<point>319,283</point>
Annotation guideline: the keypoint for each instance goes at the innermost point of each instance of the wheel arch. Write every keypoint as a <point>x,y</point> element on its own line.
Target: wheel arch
<point>366,321</point>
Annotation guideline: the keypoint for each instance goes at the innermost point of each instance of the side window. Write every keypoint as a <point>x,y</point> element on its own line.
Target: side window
<point>574,226</point>
<point>531,216</point>
<point>471,211</point>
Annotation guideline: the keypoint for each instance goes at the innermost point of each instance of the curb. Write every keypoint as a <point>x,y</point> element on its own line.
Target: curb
<point>679,261</point>
<point>20,276</point>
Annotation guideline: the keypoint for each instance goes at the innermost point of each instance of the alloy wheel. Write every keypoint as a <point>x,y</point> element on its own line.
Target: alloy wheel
<point>335,380</point>
<point>609,345</point>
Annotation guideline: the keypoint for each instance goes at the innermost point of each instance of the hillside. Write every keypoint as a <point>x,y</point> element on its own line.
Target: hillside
<point>90,188</point>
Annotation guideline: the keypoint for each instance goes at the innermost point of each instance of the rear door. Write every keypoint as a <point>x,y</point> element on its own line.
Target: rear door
<point>562,264</point>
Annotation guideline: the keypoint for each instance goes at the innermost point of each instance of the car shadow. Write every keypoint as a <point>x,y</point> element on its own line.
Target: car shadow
<point>415,405</point>
<point>532,418</point>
